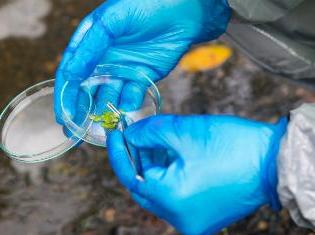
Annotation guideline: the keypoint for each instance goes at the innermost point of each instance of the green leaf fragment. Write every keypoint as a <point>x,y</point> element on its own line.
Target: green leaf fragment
<point>108,120</point>
<point>96,118</point>
<point>109,126</point>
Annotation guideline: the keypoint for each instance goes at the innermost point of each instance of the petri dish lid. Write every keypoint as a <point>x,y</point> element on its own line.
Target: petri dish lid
<point>29,131</point>
<point>104,75</point>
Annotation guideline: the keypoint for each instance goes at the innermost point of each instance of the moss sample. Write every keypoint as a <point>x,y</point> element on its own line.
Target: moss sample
<point>109,120</point>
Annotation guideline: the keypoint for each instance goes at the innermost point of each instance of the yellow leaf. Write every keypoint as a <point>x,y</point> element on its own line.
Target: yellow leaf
<point>205,57</point>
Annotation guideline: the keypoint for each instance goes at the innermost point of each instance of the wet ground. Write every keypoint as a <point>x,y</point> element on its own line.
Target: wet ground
<point>78,193</point>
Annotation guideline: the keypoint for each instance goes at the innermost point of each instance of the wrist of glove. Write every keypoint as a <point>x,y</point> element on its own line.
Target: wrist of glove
<point>201,173</point>
<point>217,15</point>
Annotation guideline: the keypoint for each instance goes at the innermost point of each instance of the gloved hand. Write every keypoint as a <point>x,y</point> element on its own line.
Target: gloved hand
<point>201,173</point>
<point>148,35</point>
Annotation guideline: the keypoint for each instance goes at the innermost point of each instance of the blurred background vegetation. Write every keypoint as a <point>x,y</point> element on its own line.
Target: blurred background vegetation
<point>78,193</point>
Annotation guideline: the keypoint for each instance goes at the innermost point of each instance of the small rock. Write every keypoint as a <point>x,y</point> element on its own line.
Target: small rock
<point>109,215</point>
<point>75,22</point>
<point>50,66</point>
<point>262,226</point>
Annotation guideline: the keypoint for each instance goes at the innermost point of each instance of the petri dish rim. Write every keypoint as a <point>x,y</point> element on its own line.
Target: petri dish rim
<point>41,156</point>
<point>153,92</point>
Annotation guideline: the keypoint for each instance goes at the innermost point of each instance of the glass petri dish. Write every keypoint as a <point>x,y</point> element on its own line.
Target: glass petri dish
<point>104,75</point>
<point>29,131</point>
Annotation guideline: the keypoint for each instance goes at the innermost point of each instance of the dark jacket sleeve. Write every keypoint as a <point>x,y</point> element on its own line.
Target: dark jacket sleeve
<point>262,10</point>
<point>279,35</point>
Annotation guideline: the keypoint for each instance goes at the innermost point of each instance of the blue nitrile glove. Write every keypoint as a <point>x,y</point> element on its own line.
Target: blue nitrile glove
<point>201,173</point>
<point>148,35</point>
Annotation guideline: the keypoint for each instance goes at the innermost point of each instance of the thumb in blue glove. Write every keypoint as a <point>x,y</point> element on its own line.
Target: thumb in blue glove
<point>147,35</point>
<point>201,173</point>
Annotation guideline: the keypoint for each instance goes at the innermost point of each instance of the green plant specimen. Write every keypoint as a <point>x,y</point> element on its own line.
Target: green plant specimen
<point>109,120</point>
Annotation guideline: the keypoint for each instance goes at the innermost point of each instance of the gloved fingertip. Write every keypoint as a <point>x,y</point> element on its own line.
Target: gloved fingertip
<point>112,137</point>
<point>120,161</point>
<point>67,132</point>
<point>132,97</point>
<point>69,112</point>
<point>63,118</point>
<point>109,92</point>
<point>74,138</point>
<point>59,120</point>
<point>131,105</point>
<point>128,107</point>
